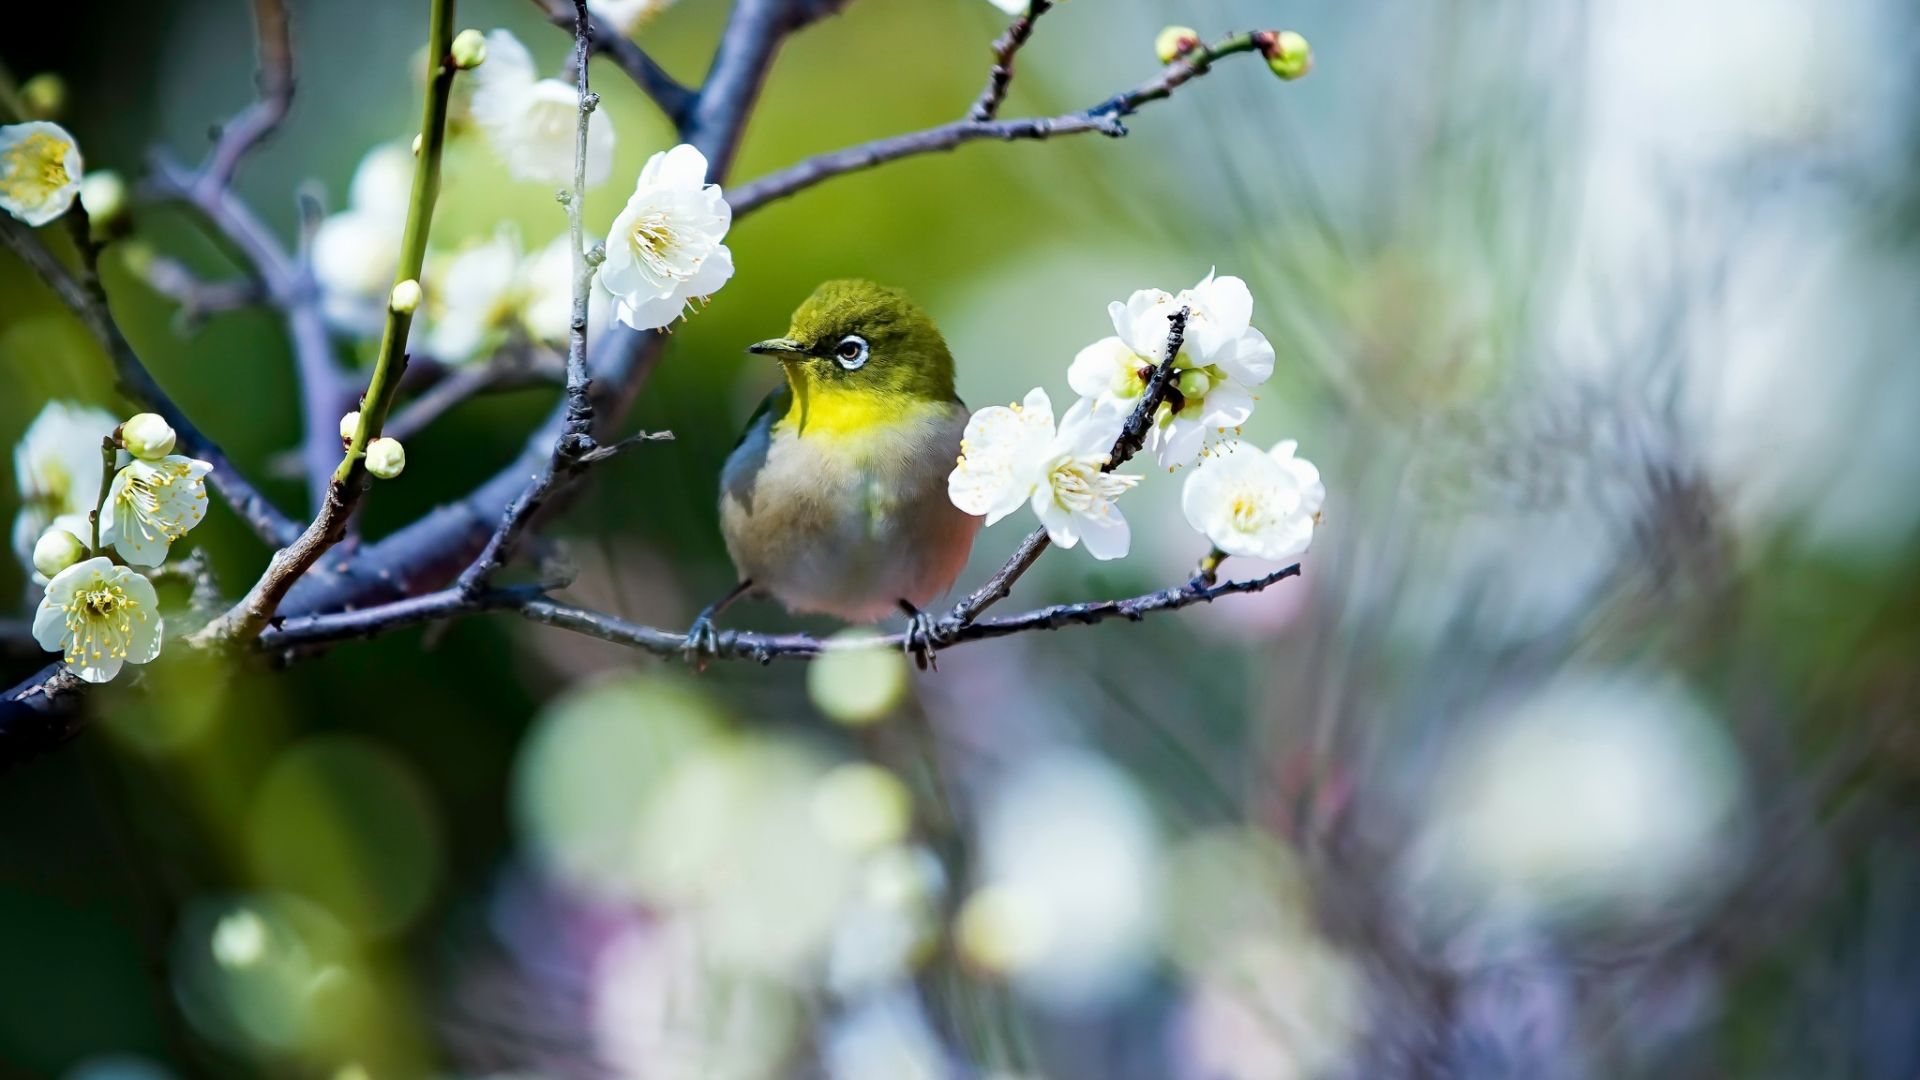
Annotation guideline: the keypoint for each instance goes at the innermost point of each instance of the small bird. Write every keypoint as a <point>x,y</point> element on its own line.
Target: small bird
<point>834,501</point>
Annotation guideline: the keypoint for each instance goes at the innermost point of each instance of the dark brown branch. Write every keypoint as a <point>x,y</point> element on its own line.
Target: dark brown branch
<point>317,630</point>
<point>1133,435</point>
<point>1104,118</point>
<point>263,117</point>
<point>137,383</point>
<point>673,99</point>
<point>1000,76</point>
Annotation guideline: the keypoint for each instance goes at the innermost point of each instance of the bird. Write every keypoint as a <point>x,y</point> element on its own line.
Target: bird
<point>834,499</point>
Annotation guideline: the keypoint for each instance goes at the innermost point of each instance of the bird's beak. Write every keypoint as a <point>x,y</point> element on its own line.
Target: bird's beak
<point>779,348</point>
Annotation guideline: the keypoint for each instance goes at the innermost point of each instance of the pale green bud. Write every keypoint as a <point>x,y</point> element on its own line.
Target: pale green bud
<point>147,437</point>
<point>56,550</point>
<point>1287,53</point>
<point>44,96</point>
<point>418,141</point>
<point>386,458</point>
<point>349,424</point>
<point>405,297</point>
<point>1194,384</point>
<point>104,194</point>
<point>469,49</point>
<point>1175,42</point>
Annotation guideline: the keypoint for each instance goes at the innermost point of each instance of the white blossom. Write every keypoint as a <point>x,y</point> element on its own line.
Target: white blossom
<point>40,170</point>
<point>531,122</point>
<point>1259,505</point>
<point>56,468</point>
<point>665,248</point>
<point>99,616</point>
<point>627,15</point>
<point>1012,454</point>
<point>1221,358</point>
<point>546,294</point>
<point>1011,7</point>
<point>475,298</point>
<point>151,504</point>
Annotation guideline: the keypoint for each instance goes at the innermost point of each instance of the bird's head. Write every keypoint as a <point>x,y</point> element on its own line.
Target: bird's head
<point>858,337</point>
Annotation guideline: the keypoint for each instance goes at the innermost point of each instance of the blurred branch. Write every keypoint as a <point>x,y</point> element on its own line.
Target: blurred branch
<point>133,380</point>
<point>506,371</point>
<point>323,391</point>
<point>263,117</point>
<point>1104,118</point>
<point>987,105</point>
<point>196,297</point>
<point>674,99</point>
<point>247,618</point>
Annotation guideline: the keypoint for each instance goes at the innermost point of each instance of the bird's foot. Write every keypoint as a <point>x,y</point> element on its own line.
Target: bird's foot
<point>702,643</point>
<point>924,637</point>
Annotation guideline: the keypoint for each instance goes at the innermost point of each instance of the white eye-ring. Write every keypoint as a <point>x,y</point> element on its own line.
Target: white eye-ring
<point>851,352</point>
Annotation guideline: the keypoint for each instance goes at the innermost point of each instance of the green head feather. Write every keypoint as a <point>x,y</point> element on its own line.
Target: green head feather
<point>857,337</point>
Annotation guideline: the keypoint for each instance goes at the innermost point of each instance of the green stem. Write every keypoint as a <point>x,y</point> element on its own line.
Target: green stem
<point>109,457</point>
<point>392,361</point>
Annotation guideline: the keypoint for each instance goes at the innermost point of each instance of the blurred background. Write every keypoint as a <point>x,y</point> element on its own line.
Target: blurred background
<point>1584,746</point>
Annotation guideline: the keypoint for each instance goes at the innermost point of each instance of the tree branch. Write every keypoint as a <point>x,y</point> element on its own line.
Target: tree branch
<point>673,99</point>
<point>263,117</point>
<point>1104,118</point>
<point>247,618</point>
<point>1000,76</point>
<point>137,383</point>
<point>1133,435</point>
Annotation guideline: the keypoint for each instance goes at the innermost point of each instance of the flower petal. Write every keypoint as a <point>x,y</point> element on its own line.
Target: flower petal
<point>1101,367</point>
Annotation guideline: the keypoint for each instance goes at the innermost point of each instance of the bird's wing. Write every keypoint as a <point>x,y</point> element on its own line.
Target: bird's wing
<point>772,407</point>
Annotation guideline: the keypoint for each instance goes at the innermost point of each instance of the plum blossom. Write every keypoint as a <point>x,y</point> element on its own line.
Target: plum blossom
<point>1259,505</point>
<point>1012,454</point>
<point>1222,357</point>
<point>665,249</point>
<point>530,121</point>
<point>546,294</point>
<point>627,15</point>
<point>151,504</point>
<point>40,170</point>
<point>356,252</point>
<point>99,616</point>
<point>476,297</point>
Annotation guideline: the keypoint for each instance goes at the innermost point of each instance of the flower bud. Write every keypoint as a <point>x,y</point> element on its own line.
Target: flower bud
<point>44,97</point>
<point>104,194</point>
<point>418,141</point>
<point>469,49</point>
<point>1193,384</point>
<point>349,424</point>
<point>147,437</point>
<point>1287,53</point>
<point>56,550</point>
<point>386,457</point>
<point>405,297</point>
<point>1175,42</point>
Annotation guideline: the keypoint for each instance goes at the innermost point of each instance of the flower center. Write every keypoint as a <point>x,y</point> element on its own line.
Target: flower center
<point>1248,512</point>
<point>140,499</point>
<point>1080,487</point>
<point>654,242</point>
<point>35,167</point>
<point>99,623</point>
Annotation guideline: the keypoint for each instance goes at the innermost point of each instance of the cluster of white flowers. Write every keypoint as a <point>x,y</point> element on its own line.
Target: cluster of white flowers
<point>1246,502</point>
<point>666,250</point>
<point>98,611</point>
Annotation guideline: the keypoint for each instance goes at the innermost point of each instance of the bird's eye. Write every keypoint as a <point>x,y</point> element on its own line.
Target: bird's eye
<point>851,352</point>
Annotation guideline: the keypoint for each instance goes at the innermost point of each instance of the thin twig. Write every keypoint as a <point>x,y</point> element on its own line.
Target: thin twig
<point>673,99</point>
<point>246,619</point>
<point>1104,118</point>
<point>530,602</point>
<point>575,444</point>
<point>263,117</point>
<point>1000,76</point>
<point>197,297</point>
<point>1132,437</point>
<point>138,384</point>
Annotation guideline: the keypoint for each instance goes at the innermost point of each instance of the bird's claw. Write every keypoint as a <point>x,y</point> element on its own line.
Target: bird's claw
<point>702,642</point>
<point>923,639</point>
